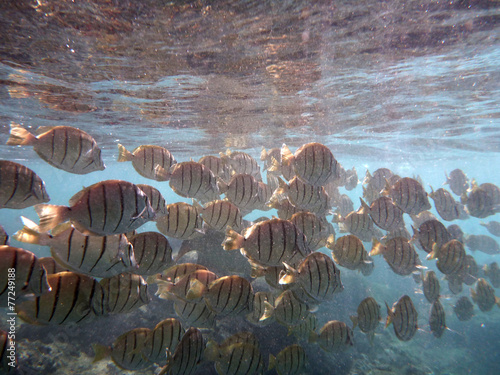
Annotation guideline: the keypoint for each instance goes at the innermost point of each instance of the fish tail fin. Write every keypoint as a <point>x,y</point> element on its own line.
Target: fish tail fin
<point>434,253</point>
<point>272,362</point>
<point>268,311</point>
<point>354,320</point>
<point>222,185</point>
<point>233,240</point>
<point>51,215</point>
<point>287,158</point>
<point>289,275</point>
<point>377,247</point>
<point>30,233</point>
<point>124,154</point>
<point>263,154</point>
<point>19,136</point>
<point>337,218</point>
<point>364,207</point>
<point>101,352</point>
<point>313,337</point>
<point>161,174</point>
<point>196,290</point>
<point>390,316</point>
<point>275,165</point>
<point>387,188</point>
<point>330,241</point>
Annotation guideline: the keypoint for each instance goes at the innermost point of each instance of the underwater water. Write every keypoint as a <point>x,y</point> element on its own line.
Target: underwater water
<point>412,86</point>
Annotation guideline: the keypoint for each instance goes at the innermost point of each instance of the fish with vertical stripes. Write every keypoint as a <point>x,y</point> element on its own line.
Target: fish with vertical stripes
<point>290,361</point>
<point>458,181</point>
<point>258,307</point>
<point>190,179</point>
<point>124,293</point>
<point>152,252</point>
<point>409,195</point>
<point>303,330</point>
<point>315,228</point>
<point>196,314</point>
<point>287,309</point>
<point>348,251</point>
<point>384,213</point>
<point>238,358</point>
<point>430,233</point>
<point>484,295</point>
<point>242,190</point>
<point>187,355</point>
<point>446,206</point>
<point>431,286</point>
<point>403,317</point>
<point>334,336</point>
<point>374,184</point>
<point>399,254</point>
<point>183,221</point>
<point>147,160</point>
<point>241,162</point>
<point>228,295</point>
<point>479,203</point>
<point>219,214</point>
<point>437,319</point>
<point>215,164</point>
<point>20,187</point>
<point>63,147</point>
<point>165,336</point>
<point>358,223</point>
<point>156,200</point>
<point>450,257</point>
<point>464,309</point>
<point>368,317</point>
<point>178,271</point>
<point>186,288</point>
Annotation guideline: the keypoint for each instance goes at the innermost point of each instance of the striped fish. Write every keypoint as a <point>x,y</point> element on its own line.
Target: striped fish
<point>269,243</point>
<point>471,272</point>
<point>479,203</point>
<point>215,164</point>
<point>183,222</point>
<point>242,190</point>
<point>317,275</point>
<point>358,223</point>
<point>368,317</point>
<point>409,195</point>
<point>484,295</point>
<point>431,232</point>
<point>458,181</point>
<point>376,182</point>
<point>464,309</point>
<point>156,200</point>
<point>334,336</point>
<point>399,254</point>
<point>188,288</point>
<point>152,251</point>
<point>403,316</point>
<point>315,229</point>
<point>258,307</point>
<point>165,336</point>
<point>450,257</point>
<point>446,206</point>
<point>107,207</point>
<point>348,251</point>
<point>124,293</point>
<point>303,330</point>
<point>63,147</point>
<point>20,187</point>
<point>384,213</point>
<point>196,314</point>
<point>229,295</point>
<point>271,274</point>
<point>174,273</point>
<point>97,256</point>
<point>4,237</point>
<point>30,276</point>
<point>193,180</point>
<point>437,319</point>
<point>236,359</point>
<point>187,355</point>
<point>431,286</point>
<point>456,232</point>
<point>147,160</point>
<point>285,209</point>
<point>219,214</point>
<point>312,162</point>
<point>126,351</point>
<point>344,205</point>
<point>267,156</point>
<point>290,361</point>
<point>73,298</point>
<point>241,162</point>
<point>287,309</point>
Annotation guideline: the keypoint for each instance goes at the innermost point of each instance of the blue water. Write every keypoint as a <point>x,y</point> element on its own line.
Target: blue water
<point>410,86</point>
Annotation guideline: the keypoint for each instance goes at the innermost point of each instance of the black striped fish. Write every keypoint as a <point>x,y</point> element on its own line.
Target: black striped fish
<point>358,223</point>
<point>63,147</point>
<point>446,206</point>
<point>368,317</point>
<point>20,187</point>
<point>215,164</point>
<point>373,184</point>
<point>156,200</point>
<point>484,295</point>
<point>187,355</point>
<point>152,251</point>
<point>272,275</point>
<point>288,310</point>
<point>431,286</point>
<point>464,309</point>
<point>30,276</point>
<point>165,336</point>
<point>334,336</point>
<point>399,254</point>
<point>479,203</point>
<point>437,319</point>
<point>458,181</point>
<point>239,358</point>
<point>193,180</point>
<point>124,293</point>
<point>344,205</point>
<point>317,275</point>
<point>148,160</point>
<point>450,257</point>
<point>196,314</point>
<point>269,243</point>
<point>97,256</point>
<point>107,207</point>
<point>290,361</point>
<point>174,273</point>
<point>242,190</point>
<point>4,237</point>
<point>431,232</point>
<point>384,213</point>
<point>258,307</point>
<point>409,195</point>
<point>312,162</point>
<point>348,251</point>
<point>315,228</point>
<point>303,330</point>
<point>183,222</point>
<point>229,295</point>
<point>127,350</point>
<point>403,316</point>
<point>186,288</point>
<point>471,272</point>
<point>219,214</point>
<point>241,162</point>
<point>73,298</point>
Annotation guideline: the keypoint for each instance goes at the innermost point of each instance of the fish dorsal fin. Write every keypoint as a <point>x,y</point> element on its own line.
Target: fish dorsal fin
<point>75,198</point>
<point>287,157</point>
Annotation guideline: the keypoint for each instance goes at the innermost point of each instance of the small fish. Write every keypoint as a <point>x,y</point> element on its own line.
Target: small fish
<point>183,222</point>
<point>152,252</point>
<point>409,195</point>
<point>344,205</point>
<point>269,243</point>
<point>450,257</point>
<point>73,298</point>
<point>454,283</point>
<point>105,208</point>
<point>219,214</point>
<point>215,164</point>
<point>258,308</point>
<point>312,162</point>
<point>187,355</point>
<point>229,295</point>
<point>384,213</point>
<point>164,337</point>
<point>185,288</point>
<point>288,310</point>
<point>456,232</point>
<point>458,181</point>
<point>317,275</point>
<point>404,317</point>
<point>348,251</point>
<point>30,275</point>
<point>483,243</point>
<point>447,207</point>
<point>290,361</point>
<point>479,203</point>
<point>195,314</point>
<point>96,256</point>
<point>4,237</point>
<point>242,190</point>
<point>63,147</point>
<point>470,270</point>
<point>334,336</point>
<point>156,200</point>
<point>493,227</point>
<point>437,319</point>
<point>193,180</point>
<point>20,187</point>
<point>315,228</point>
<point>484,295</point>
<point>351,179</point>
<point>431,286</point>
<point>430,233</point>
<point>236,359</point>
<point>359,224</point>
<point>493,192</point>
<point>368,317</point>
<point>124,293</point>
<point>147,160</point>
<point>126,351</point>
<point>492,272</point>
<point>399,254</point>
<point>464,309</point>
<point>241,162</point>
<point>305,328</point>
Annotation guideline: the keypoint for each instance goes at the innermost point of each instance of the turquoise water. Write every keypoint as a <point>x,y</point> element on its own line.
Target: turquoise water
<point>410,86</point>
